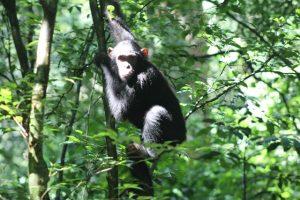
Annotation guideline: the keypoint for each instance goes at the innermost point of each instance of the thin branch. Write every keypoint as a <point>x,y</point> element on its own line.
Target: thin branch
<point>23,131</point>
<point>6,77</point>
<point>206,55</point>
<point>69,128</point>
<point>78,72</point>
<point>68,132</point>
<point>284,100</point>
<point>281,94</point>
<point>7,51</point>
<point>30,38</point>
<point>141,9</point>
<point>244,176</point>
<point>198,106</point>
<point>11,68</point>
<point>280,73</point>
<point>261,38</point>
<point>68,90</point>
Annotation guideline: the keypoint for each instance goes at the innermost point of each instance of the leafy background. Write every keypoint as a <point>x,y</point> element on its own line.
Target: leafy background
<point>234,66</point>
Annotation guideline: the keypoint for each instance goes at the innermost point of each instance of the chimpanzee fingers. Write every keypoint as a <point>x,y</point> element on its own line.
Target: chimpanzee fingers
<point>101,58</point>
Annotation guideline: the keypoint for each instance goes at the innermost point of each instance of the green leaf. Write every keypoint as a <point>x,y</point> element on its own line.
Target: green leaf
<point>205,153</point>
<point>209,155</point>
<point>236,132</point>
<point>270,127</point>
<point>209,120</point>
<point>297,145</point>
<point>74,139</point>
<point>222,133</point>
<point>129,186</point>
<point>109,133</point>
<point>205,131</point>
<point>286,143</point>
<point>189,61</point>
<point>273,146</point>
<point>5,95</point>
<point>245,131</point>
<point>8,109</point>
<point>33,43</point>
<point>270,139</point>
<point>234,156</point>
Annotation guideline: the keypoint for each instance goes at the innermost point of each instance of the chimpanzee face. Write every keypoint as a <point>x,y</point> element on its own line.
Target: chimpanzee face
<point>125,55</point>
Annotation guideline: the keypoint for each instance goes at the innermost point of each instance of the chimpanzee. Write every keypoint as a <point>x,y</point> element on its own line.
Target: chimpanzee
<point>139,93</point>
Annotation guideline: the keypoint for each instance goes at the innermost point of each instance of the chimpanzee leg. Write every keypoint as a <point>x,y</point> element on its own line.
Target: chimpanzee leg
<point>140,170</point>
<point>156,121</point>
<point>157,124</point>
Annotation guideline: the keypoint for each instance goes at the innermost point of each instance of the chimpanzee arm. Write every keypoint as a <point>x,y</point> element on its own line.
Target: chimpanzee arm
<point>118,28</point>
<point>118,94</point>
<point>102,60</point>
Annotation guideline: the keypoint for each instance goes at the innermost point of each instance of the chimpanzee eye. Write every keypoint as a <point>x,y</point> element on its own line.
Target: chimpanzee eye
<point>126,57</point>
<point>131,57</point>
<point>123,58</point>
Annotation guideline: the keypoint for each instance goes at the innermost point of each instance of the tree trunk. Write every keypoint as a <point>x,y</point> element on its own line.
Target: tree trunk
<point>98,20</point>
<point>38,170</point>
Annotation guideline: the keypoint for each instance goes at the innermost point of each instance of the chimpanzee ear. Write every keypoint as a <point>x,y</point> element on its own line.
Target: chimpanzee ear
<point>109,50</point>
<point>145,51</point>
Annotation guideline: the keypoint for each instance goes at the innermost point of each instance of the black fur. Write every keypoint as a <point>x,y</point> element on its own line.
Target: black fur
<point>118,28</point>
<point>144,98</point>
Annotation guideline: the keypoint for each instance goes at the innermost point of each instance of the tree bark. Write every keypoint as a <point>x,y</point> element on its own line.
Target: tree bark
<point>11,12</point>
<point>38,170</point>
<point>98,20</point>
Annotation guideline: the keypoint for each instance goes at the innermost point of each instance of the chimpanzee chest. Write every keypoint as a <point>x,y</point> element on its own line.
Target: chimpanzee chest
<point>137,111</point>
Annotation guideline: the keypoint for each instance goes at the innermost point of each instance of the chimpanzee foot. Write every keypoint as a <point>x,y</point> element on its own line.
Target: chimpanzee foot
<point>140,170</point>
<point>138,151</point>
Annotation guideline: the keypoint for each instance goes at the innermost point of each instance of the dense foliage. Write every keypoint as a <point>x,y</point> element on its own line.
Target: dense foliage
<point>233,64</point>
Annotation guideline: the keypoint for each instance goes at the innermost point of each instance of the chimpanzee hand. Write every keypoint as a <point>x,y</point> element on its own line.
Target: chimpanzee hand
<point>101,58</point>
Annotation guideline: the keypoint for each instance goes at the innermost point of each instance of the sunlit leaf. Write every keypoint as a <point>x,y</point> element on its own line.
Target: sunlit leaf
<point>74,139</point>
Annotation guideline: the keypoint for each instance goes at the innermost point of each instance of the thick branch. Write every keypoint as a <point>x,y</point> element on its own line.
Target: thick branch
<point>30,38</point>
<point>11,12</point>
<point>98,20</point>
<point>38,170</point>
